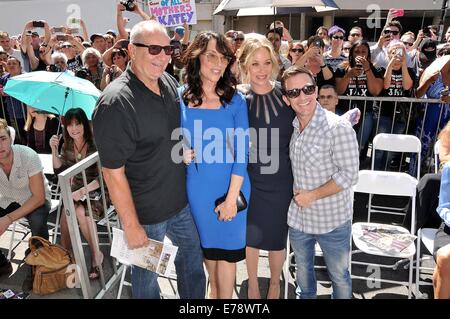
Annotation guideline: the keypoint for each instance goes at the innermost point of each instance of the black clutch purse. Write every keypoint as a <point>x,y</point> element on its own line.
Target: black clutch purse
<point>241,202</point>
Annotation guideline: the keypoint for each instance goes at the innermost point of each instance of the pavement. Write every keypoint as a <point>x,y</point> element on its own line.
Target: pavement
<point>17,280</point>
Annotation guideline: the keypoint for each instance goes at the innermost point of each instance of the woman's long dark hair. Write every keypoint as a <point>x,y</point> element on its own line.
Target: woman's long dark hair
<point>225,87</point>
<point>79,116</point>
<point>351,58</point>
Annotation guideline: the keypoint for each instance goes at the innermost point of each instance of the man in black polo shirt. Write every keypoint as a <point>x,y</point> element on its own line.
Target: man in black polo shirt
<point>133,123</point>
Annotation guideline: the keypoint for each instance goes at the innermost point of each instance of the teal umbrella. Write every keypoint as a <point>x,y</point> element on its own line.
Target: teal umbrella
<point>53,92</point>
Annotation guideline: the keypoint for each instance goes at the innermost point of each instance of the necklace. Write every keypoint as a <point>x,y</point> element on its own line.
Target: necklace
<point>78,151</point>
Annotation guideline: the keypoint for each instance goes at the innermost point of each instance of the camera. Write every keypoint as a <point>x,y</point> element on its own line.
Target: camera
<point>38,24</point>
<point>426,32</point>
<point>61,37</point>
<point>445,92</point>
<point>82,73</point>
<point>53,68</point>
<point>58,29</point>
<point>317,43</point>
<point>128,4</point>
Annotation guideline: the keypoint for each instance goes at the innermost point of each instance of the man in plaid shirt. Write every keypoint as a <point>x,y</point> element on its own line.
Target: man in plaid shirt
<point>325,163</point>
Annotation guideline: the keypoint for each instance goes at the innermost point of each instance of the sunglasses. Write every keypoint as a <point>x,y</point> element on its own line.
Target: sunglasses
<point>297,50</point>
<point>215,59</point>
<point>408,44</point>
<point>154,49</point>
<point>307,89</point>
<point>66,46</point>
<point>336,37</point>
<point>346,48</point>
<point>355,35</point>
<point>239,39</point>
<point>391,32</point>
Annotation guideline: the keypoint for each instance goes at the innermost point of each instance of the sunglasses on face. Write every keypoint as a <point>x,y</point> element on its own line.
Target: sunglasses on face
<point>66,46</point>
<point>408,44</point>
<point>346,48</point>
<point>215,59</point>
<point>154,49</point>
<point>391,32</point>
<point>336,37</point>
<point>355,35</point>
<point>307,89</point>
<point>239,39</point>
<point>297,50</point>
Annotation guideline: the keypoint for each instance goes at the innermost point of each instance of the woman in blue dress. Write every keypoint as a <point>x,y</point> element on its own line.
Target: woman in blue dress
<point>215,125</point>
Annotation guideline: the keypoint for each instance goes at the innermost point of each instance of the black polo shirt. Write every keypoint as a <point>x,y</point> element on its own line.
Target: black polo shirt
<point>132,128</point>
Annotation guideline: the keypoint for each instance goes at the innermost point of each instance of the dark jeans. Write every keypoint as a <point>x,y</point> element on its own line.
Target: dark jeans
<point>191,281</point>
<point>37,218</point>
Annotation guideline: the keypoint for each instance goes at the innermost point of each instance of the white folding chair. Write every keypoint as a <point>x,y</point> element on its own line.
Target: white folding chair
<point>394,143</point>
<point>391,184</point>
<point>425,236</point>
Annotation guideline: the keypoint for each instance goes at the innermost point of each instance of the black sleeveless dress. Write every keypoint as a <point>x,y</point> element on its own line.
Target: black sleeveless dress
<point>270,121</point>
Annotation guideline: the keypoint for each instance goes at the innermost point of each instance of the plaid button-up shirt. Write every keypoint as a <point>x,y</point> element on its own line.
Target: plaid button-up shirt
<point>326,149</point>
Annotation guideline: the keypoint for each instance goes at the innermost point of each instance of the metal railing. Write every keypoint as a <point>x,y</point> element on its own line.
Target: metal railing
<point>64,179</point>
<point>419,111</point>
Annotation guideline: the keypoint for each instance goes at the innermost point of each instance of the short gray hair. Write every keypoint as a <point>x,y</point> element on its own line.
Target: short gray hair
<point>146,26</point>
<point>59,55</point>
<point>91,51</point>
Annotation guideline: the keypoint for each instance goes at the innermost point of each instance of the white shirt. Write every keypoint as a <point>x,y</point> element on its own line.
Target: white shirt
<point>16,188</point>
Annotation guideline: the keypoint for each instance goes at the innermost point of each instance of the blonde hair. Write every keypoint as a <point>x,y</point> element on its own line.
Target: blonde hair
<point>246,53</point>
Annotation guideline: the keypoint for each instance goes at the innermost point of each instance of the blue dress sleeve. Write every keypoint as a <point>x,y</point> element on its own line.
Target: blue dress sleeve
<point>444,196</point>
<point>241,135</point>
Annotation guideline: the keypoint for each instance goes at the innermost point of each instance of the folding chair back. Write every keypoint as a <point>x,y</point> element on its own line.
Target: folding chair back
<point>392,184</point>
<point>397,143</point>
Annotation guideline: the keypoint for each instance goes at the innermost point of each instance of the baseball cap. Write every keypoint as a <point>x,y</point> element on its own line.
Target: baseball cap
<point>95,35</point>
<point>180,30</point>
<point>112,32</point>
<point>334,29</point>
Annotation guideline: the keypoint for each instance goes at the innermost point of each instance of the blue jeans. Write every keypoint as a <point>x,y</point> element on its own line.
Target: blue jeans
<point>385,126</point>
<point>37,219</point>
<point>191,281</point>
<point>336,251</point>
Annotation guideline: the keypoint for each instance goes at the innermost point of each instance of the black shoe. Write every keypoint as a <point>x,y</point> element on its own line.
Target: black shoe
<point>5,268</point>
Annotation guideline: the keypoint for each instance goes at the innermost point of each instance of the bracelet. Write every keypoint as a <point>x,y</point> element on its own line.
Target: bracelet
<point>323,66</point>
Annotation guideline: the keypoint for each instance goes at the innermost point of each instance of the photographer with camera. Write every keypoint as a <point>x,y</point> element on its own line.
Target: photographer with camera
<point>33,51</point>
<point>92,62</point>
<point>131,6</point>
<point>314,61</point>
<point>110,73</point>
<point>391,117</point>
<point>73,50</point>
<point>58,63</point>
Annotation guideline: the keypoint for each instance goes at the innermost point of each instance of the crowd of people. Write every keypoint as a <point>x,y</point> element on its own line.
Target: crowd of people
<point>226,143</point>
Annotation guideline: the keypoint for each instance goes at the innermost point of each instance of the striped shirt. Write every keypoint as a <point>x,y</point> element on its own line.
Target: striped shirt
<point>16,188</point>
<point>326,149</point>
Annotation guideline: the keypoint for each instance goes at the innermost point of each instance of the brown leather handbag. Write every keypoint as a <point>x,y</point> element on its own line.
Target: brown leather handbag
<point>49,263</point>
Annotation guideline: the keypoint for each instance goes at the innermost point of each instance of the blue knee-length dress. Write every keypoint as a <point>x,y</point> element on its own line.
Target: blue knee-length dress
<point>220,139</point>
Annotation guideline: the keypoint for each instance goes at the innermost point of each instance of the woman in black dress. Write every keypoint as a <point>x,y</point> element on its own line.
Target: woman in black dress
<point>269,168</point>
